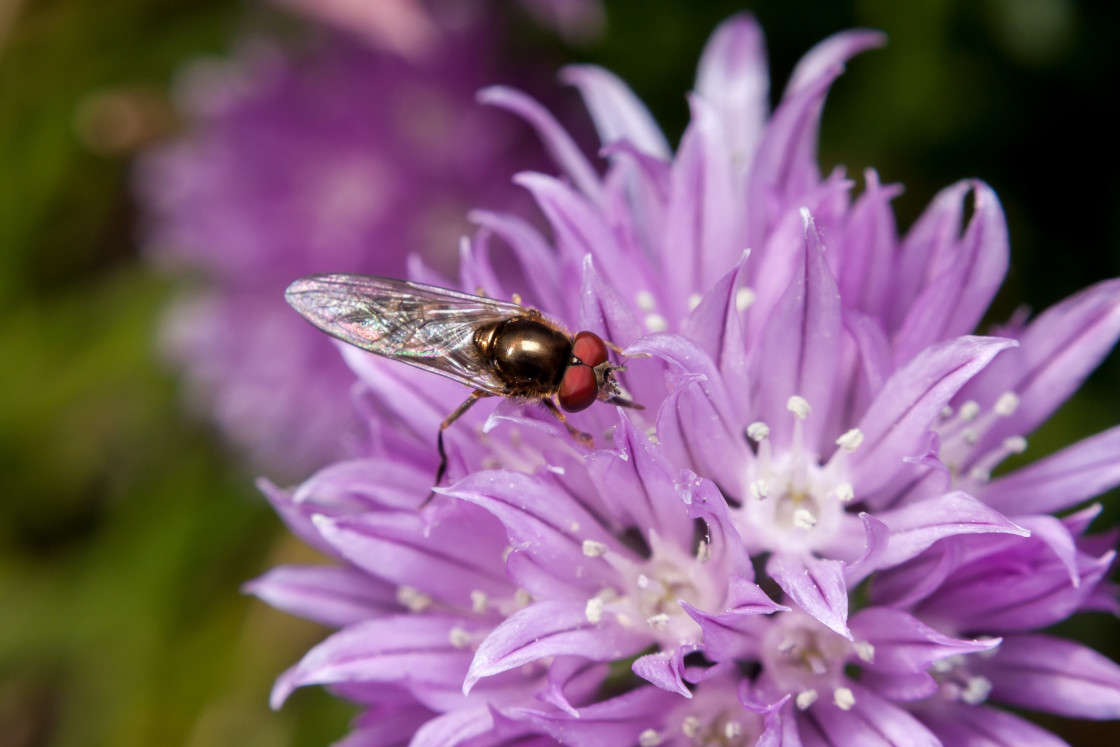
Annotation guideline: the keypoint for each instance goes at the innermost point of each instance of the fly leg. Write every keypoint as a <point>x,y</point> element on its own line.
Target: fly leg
<point>583,438</point>
<point>476,395</point>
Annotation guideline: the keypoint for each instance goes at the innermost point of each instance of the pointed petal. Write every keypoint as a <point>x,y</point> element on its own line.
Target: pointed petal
<point>556,140</point>
<point>388,649</point>
<point>663,670</point>
<point>877,536</point>
<point>637,482</point>
<point>546,629</point>
<point>835,50</point>
<point>703,228</point>
<point>815,585</point>
<point>734,79</point>
<point>963,277</point>
<point>867,245</point>
<point>894,426</point>
<point>608,723</point>
<point>905,645</point>
<point>451,560</point>
<point>981,726</point>
<point>536,257</point>
<point>1056,352</point>
<point>1049,674</point>
<point>692,423</point>
<point>716,325</point>
<point>544,523</point>
<point>618,114</point>
<point>327,594</point>
<point>1074,474</point>
<point>604,311</point>
<point>800,347</point>
<point>917,526</point>
<point>872,721</point>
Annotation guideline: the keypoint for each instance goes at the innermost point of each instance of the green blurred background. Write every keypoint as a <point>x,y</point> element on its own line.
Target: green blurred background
<point>126,530</point>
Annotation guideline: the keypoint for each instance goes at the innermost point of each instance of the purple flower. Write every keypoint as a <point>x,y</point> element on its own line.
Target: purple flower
<point>337,157</point>
<point>799,540</point>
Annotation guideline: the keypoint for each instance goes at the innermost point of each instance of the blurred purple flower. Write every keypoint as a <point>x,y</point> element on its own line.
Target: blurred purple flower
<point>337,157</point>
<point>799,540</point>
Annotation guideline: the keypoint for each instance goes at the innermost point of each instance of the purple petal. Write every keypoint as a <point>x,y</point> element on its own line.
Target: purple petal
<point>454,727</point>
<point>388,649</point>
<point>536,258</point>
<point>386,726</point>
<point>733,633</point>
<point>1088,468</point>
<point>1049,674</point>
<point>636,481</point>
<point>836,50</point>
<point>963,277</point>
<point>604,311</point>
<point>546,524</point>
<point>546,629</point>
<point>815,585</point>
<point>917,526</point>
<point>330,595</point>
<point>871,721</point>
<point>618,114</point>
<point>894,425</point>
<point>618,721</point>
<point>663,670</point>
<point>716,325</point>
<point>734,80</point>
<point>800,347</point>
<point>556,140</point>
<point>905,645</point>
<point>981,726</point>
<point>447,562</point>
<point>692,422</point>
<point>868,244</point>
<point>1056,352</point>
<point>703,232</point>
<point>877,536</point>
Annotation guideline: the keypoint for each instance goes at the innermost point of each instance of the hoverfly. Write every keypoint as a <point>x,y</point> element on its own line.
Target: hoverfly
<point>500,349</point>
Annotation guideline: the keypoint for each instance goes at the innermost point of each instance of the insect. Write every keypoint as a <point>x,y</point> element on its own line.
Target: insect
<point>500,349</point>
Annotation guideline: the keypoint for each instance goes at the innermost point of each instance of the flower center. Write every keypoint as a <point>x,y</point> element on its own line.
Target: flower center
<point>806,659</point>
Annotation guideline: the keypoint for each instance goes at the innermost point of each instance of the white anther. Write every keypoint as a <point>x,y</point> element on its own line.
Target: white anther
<point>643,581</point>
<point>656,323</point>
<point>865,651</point>
<point>969,410</point>
<point>593,549</point>
<point>645,300</point>
<point>1015,444</point>
<point>786,646</point>
<point>946,412</point>
<point>521,598</point>
<point>744,297</point>
<point>851,440</point>
<point>844,698</point>
<point>804,519</point>
<point>941,666</point>
<point>799,407</point>
<point>703,552</point>
<point>659,621</point>
<point>694,301</point>
<point>804,699</point>
<point>757,431</point>
<point>649,738</point>
<point>690,727</point>
<point>970,436</point>
<point>414,599</point>
<point>977,690</point>
<point>1007,404</point>
<point>594,610</point>
<point>759,490</point>
<point>459,638</point>
<point>573,527</point>
<point>479,601</point>
<point>979,474</point>
<point>845,493</point>
<point>732,729</point>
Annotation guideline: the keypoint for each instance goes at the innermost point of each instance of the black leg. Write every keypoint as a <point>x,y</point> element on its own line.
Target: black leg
<point>476,395</point>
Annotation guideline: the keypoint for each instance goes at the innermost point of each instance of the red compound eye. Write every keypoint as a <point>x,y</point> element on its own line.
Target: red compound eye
<point>578,388</point>
<point>589,348</point>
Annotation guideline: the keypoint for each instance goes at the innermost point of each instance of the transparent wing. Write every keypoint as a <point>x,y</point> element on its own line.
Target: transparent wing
<point>428,327</point>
